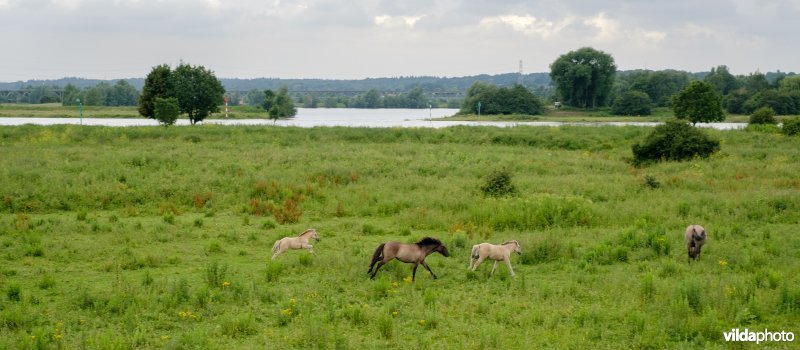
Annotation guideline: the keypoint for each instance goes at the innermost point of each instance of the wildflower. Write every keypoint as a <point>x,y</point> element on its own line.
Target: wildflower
<point>292,301</point>
<point>407,280</point>
<point>286,312</point>
<point>226,284</point>
<point>395,284</point>
<point>164,337</point>
<point>422,322</point>
<point>394,313</point>
<point>723,263</point>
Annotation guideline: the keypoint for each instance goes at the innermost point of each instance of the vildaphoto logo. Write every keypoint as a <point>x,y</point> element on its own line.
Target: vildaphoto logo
<point>758,337</point>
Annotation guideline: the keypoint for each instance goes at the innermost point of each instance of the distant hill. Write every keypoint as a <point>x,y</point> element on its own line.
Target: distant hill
<point>399,84</point>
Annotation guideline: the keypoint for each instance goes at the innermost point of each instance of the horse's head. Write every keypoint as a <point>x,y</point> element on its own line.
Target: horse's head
<point>310,233</point>
<point>442,250</point>
<point>517,248</point>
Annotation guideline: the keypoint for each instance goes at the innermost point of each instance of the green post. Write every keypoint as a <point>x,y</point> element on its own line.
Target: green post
<point>479,107</point>
<point>80,108</point>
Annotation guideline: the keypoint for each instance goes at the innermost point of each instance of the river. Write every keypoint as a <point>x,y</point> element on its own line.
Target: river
<point>349,117</point>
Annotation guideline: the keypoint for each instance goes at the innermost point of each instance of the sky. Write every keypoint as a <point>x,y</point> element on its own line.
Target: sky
<point>356,39</point>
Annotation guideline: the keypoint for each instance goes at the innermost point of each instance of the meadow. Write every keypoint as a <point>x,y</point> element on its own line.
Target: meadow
<point>156,237</point>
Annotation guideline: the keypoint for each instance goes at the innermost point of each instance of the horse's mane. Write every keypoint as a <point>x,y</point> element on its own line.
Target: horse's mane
<point>428,241</point>
<point>304,232</point>
<point>510,242</point>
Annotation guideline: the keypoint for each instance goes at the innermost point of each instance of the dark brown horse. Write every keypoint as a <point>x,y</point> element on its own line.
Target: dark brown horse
<point>414,253</point>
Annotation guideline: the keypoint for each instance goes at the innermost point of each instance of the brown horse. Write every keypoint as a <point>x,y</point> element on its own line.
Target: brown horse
<point>414,253</point>
<point>695,237</point>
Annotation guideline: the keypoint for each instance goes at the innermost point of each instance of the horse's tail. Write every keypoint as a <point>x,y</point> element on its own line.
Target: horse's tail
<point>378,255</point>
<point>474,253</point>
<point>275,246</point>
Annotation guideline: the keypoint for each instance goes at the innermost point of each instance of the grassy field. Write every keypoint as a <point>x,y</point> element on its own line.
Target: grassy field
<point>151,237</point>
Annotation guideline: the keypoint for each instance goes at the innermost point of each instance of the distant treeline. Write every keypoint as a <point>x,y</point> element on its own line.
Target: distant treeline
<point>742,94</point>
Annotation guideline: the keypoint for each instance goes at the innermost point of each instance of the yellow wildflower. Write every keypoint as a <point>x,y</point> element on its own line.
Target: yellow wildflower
<point>422,322</point>
<point>723,263</point>
<point>226,284</point>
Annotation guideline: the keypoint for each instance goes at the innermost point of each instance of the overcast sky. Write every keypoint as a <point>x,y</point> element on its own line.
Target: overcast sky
<point>338,39</point>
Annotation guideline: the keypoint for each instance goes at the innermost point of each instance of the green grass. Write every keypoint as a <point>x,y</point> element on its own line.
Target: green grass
<point>152,237</point>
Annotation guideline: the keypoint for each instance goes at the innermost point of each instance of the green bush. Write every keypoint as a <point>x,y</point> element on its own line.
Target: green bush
<point>791,126</point>
<point>675,140</point>
<point>763,115</point>
<point>167,110</point>
<point>498,184</point>
<point>631,103</point>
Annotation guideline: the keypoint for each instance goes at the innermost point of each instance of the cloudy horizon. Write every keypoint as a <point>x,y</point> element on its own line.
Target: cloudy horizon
<point>337,39</point>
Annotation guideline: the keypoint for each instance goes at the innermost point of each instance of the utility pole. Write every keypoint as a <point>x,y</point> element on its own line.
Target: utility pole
<point>519,77</point>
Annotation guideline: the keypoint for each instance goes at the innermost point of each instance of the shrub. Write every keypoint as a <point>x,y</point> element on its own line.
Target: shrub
<point>498,184</point>
<point>166,110</point>
<point>675,140</point>
<point>631,103</point>
<point>791,126</point>
<point>763,115</point>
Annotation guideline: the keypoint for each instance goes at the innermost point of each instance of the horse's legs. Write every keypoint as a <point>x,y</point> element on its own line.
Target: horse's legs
<point>310,249</point>
<point>494,267</point>
<point>276,254</point>
<point>380,263</point>
<point>414,272</point>
<point>429,269</point>
<point>508,263</point>
<point>478,263</point>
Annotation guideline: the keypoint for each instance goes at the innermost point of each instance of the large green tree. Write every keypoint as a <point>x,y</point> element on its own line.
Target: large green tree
<point>158,83</point>
<point>584,77</point>
<point>699,103</point>
<point>199,92</point>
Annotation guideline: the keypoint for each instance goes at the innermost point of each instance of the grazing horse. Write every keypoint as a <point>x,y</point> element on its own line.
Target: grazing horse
<point>695,237</point>
<point>414,253</point>
<point>494,252</point>
<point>299,242</point>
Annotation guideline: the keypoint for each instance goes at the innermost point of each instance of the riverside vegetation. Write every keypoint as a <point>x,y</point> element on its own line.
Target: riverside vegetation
<point>152,237</point>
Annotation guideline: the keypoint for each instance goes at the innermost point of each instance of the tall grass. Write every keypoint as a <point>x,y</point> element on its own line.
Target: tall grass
<point>150,238</point>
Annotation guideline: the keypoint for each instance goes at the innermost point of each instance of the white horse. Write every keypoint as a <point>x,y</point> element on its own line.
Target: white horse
<point>299,242</point>
<point>494,252</point>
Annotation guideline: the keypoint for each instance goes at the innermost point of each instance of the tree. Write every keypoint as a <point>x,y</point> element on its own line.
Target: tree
<point>584,77</point>
<point>372,99</point>
<point>268,100</point>
<point>167,110</point>
<point>494,100</point>
<point>698,103</point>
<point>158,83</point>
<point>121,94</point>
<point>199,92</point>
<point>631,103</point>
<point>279,105</point>
<point>723,81</point>
<point>70,95</point>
